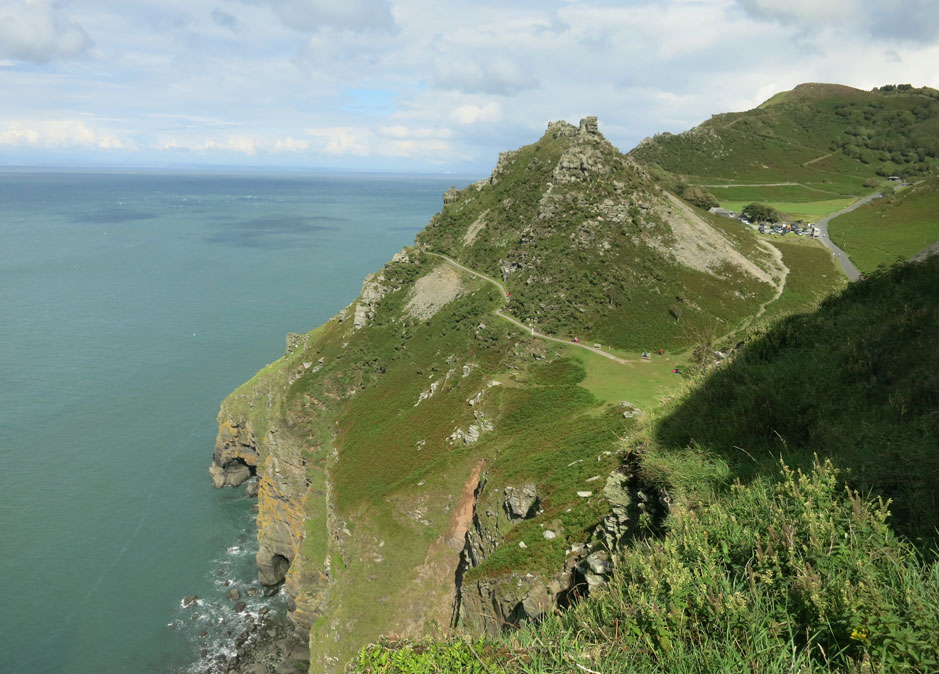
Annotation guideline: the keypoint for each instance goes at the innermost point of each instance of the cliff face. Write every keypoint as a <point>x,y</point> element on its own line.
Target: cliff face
<point>426,466</point>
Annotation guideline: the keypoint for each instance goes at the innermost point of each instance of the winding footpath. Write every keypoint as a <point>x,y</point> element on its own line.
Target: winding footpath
<point>528,328</point>
<point>850,270</point>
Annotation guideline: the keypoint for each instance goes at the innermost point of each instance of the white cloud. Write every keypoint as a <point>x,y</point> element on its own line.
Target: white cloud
<point>241,144</point>
<point>59,134</point>
<point>801,11</point>
<point>358,16</point>
<point>401,131</point>
<point>342,141</point>
<point>500,76</point>
<point>291,144</point>
<point>386,141</point>
<point>470,114</point>
<point>38,31</point>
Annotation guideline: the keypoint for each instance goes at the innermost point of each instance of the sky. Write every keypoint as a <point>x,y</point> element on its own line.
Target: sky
<point>431,86</point>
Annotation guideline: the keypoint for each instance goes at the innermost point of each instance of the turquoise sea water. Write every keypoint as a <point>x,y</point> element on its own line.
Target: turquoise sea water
<point>130,305</point>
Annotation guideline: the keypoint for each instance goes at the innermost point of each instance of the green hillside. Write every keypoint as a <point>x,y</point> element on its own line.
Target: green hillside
<point>766,562</point>
<point>896,226</point>
<point>820,136</point>
<point>590,247</point>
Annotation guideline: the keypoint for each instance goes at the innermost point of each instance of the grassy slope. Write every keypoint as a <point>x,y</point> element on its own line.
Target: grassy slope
<point>894,227</point>
<point>828,139</point>
<point>396,472</point>
<point>813,276</point>
<point>626,295</point>
<point>761,570</point>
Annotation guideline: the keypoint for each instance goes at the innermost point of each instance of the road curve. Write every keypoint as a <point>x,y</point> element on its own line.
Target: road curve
<point>850,270</point>
<point>515,321</point>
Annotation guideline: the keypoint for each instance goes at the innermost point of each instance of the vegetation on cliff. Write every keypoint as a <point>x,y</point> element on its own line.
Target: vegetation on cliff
<point>769,568</point>
<point>429,468</point>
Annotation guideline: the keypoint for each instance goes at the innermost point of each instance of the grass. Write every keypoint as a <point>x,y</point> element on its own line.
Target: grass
<point>783,193</point>
<point>855,381</point>
<point>813,275</point>
<point>886,229</point>
<point>643,383</point>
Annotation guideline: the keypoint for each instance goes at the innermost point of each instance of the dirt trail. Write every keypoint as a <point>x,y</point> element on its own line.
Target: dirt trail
<point>808,187</point>
<point>812,161</point>
<point>528,328</point>
<point>778,281</point>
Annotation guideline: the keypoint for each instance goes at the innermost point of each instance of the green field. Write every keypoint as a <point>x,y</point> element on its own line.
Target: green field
<point>894,227</point>
<point>642,383</point>
<point>808,211</point>
<point>788,193</point>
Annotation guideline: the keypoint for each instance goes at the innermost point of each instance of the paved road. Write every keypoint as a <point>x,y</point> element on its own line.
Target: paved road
<point>850,270</point>
<point>515,321</point>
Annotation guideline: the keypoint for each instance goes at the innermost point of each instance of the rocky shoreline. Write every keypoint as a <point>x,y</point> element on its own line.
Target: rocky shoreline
<point>267,645</point>
<point>248,631</point>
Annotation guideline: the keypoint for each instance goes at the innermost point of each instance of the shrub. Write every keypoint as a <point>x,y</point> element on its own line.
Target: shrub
<point>700,198</point>
<point>761,213</point>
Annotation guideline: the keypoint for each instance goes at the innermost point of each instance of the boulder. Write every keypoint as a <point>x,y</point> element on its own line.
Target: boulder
<point>233,594</point>
<point>240,607</point>
<point>599,562</point>
<point>188,601</point>
<point>521,502</point>
<point>253,486</point>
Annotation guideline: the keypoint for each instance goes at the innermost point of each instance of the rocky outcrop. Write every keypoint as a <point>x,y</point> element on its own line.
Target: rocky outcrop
<point>636,507</point>
<point>561,129</point>
<point>585,156</point>
<point>372,293</point>
<point>236,457</point>
<point>450,196</point>
<point>512,600</point>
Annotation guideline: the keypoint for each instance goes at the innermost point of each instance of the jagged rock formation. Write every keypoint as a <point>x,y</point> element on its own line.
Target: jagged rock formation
<point>426,466</point>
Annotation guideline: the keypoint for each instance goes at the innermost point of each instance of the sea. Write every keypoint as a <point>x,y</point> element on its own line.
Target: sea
<point>131,304</point>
